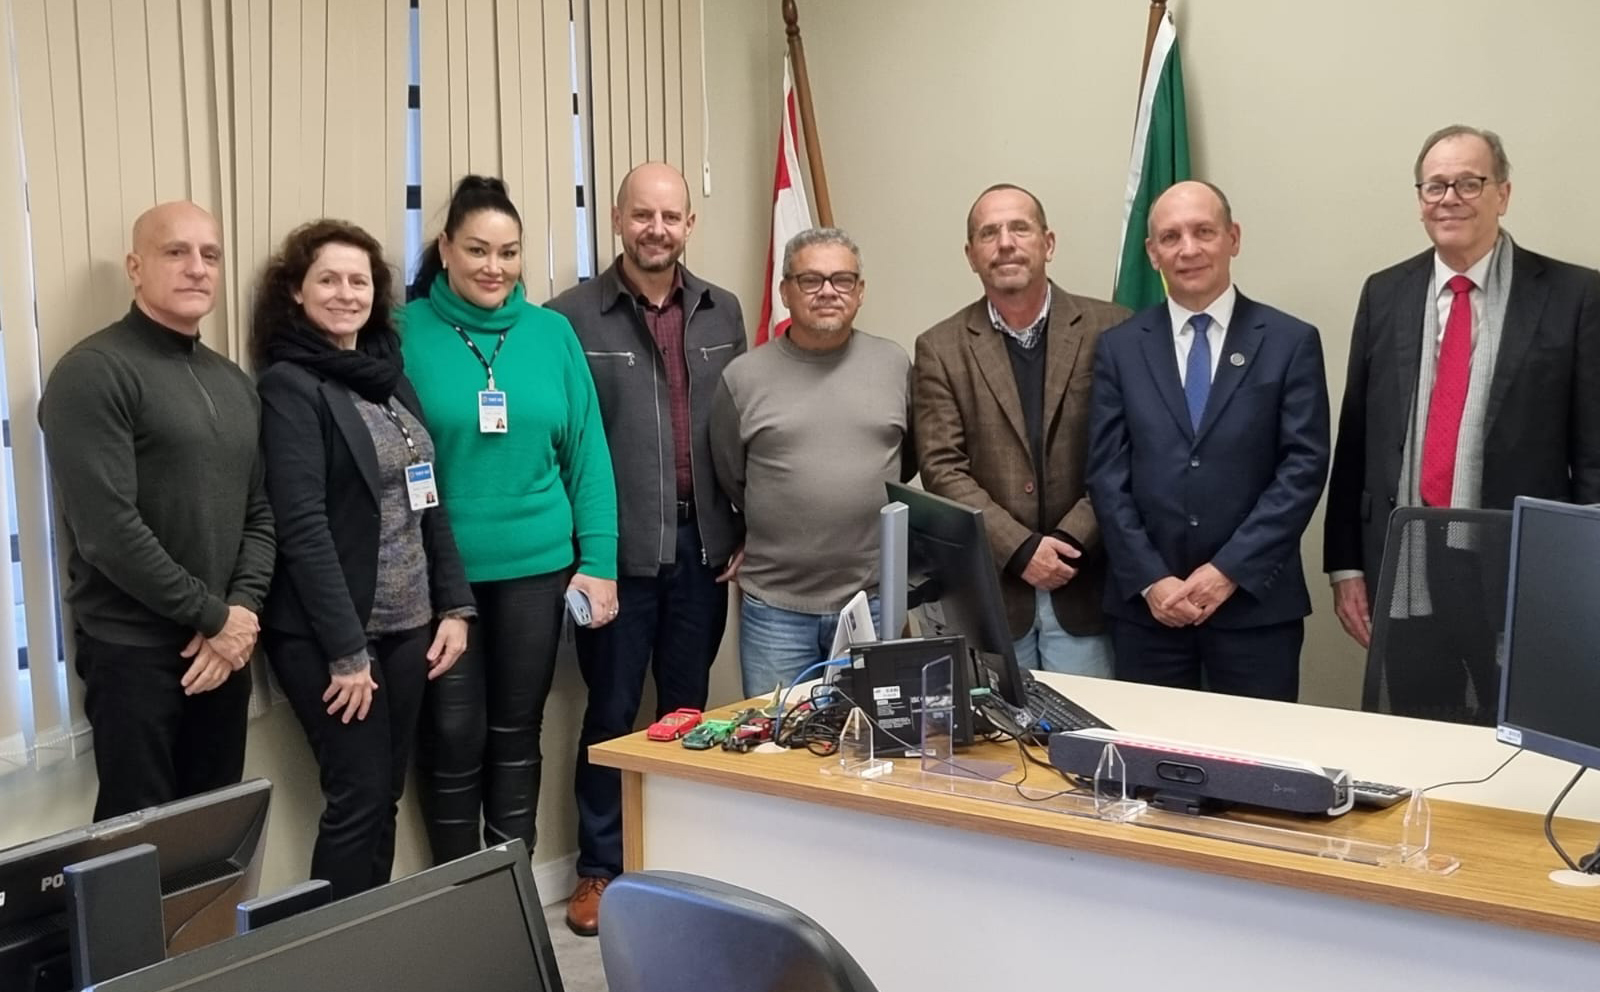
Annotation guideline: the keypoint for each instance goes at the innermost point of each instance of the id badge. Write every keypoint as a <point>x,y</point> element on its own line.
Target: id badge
<point>420,486</point>
<point>491,411</point>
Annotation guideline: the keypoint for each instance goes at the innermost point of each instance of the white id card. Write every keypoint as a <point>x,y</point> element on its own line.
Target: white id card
<point>491,411</point>
<point>420,486</point>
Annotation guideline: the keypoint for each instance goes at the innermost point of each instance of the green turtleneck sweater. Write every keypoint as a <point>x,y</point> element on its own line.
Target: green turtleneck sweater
<point>519,501</point>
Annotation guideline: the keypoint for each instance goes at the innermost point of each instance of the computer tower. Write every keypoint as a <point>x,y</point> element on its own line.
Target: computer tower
<point>885,679</point>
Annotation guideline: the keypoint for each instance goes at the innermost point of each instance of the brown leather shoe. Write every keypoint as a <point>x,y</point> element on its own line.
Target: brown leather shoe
<point>583,909</point>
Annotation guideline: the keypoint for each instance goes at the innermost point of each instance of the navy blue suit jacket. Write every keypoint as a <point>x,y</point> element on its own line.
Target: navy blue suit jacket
<point>1238,492</point>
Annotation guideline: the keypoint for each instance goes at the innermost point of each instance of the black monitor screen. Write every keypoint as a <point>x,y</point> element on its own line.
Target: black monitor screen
<point>472,924</point>
<point>957,587</point>
<point>210,848</point>
<point>1551,690</point>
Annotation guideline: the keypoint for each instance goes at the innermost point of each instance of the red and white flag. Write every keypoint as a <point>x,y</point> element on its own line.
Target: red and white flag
<point>791,214</point>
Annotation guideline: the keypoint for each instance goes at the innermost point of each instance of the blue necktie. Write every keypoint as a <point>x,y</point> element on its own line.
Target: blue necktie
<point>1197,377</point>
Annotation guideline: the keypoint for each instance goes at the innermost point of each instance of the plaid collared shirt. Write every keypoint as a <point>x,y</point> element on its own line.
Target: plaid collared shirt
<point>1027,336</point>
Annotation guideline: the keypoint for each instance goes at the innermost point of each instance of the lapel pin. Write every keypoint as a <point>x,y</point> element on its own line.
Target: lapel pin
<point>1236,359</point>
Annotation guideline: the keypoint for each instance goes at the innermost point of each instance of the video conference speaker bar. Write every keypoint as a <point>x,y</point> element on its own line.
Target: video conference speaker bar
<point>1205,773</point>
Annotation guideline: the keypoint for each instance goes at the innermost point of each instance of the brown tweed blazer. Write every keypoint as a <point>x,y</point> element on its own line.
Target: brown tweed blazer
<point>972,442</point>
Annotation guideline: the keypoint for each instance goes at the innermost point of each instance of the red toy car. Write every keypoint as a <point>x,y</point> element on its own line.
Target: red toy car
<point>754,731</point>
<point>674,725</point>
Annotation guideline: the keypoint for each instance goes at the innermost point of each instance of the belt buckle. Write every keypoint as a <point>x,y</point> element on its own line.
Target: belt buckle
<point>685,509</point>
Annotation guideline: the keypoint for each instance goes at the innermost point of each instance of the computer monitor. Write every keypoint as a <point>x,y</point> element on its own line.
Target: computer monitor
<point>1551,683</point>
<point>210,849</point>
<point>954,588</point>
<point>474,923</point>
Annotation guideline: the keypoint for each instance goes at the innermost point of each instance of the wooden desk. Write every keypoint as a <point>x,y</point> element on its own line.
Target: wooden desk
<point>938,891</point>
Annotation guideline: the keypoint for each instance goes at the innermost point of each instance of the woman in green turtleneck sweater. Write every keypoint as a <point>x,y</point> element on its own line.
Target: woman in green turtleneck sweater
<point>531,498</point>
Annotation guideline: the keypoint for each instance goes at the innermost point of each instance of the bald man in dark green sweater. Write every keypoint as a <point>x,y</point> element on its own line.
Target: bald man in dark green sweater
<point>153,440</point>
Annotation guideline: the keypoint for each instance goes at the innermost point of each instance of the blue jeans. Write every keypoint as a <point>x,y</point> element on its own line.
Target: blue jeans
<point>669,625</point>
<point>775,645</point>
<point>1047,646</point>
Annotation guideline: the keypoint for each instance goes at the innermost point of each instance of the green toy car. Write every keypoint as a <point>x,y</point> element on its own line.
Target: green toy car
<point>708,734</point>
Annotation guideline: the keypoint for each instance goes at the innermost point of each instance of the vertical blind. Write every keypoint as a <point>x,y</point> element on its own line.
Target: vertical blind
<point>646,95</point>
<point>268,113</point>
<point>497,100</point>
<point>501,83</point>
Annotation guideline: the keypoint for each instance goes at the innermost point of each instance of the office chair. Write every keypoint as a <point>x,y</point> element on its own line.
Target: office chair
<point>665,931</point>
<point>1438,615</point>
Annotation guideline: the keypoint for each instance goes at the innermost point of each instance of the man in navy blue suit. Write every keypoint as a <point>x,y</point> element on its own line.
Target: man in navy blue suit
<point>1208,448</point>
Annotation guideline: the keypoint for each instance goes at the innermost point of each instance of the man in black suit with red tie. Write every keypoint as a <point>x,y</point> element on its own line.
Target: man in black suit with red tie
<point>1474,378</point>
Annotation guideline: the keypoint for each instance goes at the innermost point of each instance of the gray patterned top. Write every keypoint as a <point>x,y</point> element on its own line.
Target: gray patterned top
<point>401,601</point>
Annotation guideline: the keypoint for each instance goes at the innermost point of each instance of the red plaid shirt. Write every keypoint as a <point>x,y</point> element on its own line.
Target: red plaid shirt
<point>666,327</point>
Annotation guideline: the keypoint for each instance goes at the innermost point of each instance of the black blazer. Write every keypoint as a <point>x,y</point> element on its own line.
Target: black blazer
<point>322,480</point>
<point>1238,492</point>
<point>1542,431</point>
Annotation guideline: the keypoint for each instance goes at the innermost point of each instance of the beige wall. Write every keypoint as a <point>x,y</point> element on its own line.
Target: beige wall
<point>1308,118</point>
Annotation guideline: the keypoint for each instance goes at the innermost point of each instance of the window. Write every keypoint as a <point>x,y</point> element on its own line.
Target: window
<point>413,245</point>
<point>587,257</point>
<point>19,616</point>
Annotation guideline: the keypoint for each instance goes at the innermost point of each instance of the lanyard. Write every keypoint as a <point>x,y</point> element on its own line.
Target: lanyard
<point>487,363</point>
<point>394,418</point>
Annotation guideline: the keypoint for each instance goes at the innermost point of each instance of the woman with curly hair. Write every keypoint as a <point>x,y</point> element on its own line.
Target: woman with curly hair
<point>370,600</point>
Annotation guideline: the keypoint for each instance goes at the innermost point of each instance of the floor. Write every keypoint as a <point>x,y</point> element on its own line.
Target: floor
<point>577,957</point>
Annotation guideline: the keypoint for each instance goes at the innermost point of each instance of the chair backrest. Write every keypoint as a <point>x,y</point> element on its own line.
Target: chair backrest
<point>664,931</point>
<point>1438,614</point>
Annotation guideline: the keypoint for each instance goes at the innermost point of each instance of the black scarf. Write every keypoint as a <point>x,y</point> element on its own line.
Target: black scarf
<point>371,370</point>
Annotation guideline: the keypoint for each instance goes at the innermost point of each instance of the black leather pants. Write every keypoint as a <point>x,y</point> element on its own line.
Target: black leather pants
<point>478,746</point>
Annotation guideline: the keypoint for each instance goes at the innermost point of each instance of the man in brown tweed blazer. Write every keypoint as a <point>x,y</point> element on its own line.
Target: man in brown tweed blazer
<point>1001,401</point>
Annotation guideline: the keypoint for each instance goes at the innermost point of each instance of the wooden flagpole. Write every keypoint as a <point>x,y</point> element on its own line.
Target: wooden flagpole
<point>1158,10</point>
<point>808,121</point>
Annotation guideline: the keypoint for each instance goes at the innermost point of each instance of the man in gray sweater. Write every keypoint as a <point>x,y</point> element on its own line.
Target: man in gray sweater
<point>804,434</point>
<point>153,442</point>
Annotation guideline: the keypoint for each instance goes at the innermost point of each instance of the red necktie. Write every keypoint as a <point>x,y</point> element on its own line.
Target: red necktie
<point>1449,398</point>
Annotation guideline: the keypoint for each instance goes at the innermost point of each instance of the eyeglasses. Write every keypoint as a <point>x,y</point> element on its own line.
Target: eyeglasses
<point>810,283</point>
<point>1467,187</point>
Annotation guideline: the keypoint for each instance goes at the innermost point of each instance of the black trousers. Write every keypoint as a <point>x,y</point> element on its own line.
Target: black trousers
<point>362,764</point>
<point>153,744</point>
<point>670,624</point>
<point>478,744</point>
<point>1263,662</point>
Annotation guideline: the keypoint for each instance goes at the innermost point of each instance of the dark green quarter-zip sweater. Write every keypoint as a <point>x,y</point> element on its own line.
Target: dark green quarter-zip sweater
<point>154,443</point>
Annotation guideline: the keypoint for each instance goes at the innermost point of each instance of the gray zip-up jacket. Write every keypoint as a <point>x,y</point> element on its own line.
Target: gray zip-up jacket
<point>635,405</point>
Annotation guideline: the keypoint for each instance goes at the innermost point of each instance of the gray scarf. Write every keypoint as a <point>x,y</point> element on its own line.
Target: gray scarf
<point>1411,590</point>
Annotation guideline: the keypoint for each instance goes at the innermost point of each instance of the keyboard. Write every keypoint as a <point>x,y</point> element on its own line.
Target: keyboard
<point>1054,712</point>
<point>1377,795</point>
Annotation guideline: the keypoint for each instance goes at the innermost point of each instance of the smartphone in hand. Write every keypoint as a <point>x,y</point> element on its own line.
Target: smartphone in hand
<point>578,606</point>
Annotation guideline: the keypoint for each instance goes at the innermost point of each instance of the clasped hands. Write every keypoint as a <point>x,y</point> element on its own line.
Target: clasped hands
<point>216,658</point>
<point>1187,602</point>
